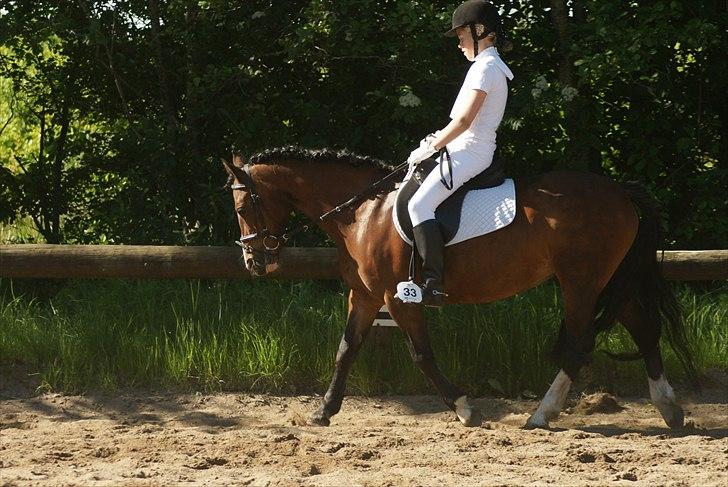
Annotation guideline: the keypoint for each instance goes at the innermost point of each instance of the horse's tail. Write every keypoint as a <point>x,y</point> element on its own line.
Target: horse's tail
<point>639,277</point>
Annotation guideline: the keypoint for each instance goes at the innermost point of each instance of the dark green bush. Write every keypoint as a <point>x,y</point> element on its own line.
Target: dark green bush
<point>119,111</point>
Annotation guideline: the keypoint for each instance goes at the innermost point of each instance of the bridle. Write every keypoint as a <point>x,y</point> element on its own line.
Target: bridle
<point>271,243</point>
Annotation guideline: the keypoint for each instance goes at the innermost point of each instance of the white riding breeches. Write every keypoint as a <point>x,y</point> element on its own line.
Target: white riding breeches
<point>465,166</point>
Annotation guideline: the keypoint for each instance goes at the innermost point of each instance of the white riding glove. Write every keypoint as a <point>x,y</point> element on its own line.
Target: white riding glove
<point>421,153</point>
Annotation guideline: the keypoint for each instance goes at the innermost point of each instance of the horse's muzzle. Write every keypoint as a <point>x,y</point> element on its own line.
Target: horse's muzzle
<point>255,267</point>
<point>254,262</point>
<point>258,271</point>
<point>257,260</point>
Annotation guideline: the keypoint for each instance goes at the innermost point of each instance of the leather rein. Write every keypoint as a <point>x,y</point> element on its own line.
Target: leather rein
<point>271,242</point>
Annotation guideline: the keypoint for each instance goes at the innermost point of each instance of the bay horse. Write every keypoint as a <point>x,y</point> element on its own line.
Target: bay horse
<point>597,237</point>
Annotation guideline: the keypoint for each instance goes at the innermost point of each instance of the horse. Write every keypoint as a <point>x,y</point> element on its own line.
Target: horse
<point>597,237</point>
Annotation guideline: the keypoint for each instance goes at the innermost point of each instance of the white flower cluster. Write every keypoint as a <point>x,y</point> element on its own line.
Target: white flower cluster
<point>569,92</point>
<point>541,86</point>
<point>257,15</point>
<point>409,99</point>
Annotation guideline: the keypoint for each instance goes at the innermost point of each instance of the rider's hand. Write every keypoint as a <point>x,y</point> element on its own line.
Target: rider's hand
<point>429,140</point>
<point>421,153</point>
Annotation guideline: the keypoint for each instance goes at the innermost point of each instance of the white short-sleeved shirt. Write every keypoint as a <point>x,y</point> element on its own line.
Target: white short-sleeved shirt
<point>488,73</point>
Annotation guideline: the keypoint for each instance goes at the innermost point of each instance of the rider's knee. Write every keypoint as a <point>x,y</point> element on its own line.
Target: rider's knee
<point>419,209</point>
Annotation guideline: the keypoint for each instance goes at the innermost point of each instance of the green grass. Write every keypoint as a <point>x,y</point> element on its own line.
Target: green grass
<point>281,337</point>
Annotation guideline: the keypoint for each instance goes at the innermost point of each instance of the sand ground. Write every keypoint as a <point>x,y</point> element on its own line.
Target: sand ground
<point>148,438</point>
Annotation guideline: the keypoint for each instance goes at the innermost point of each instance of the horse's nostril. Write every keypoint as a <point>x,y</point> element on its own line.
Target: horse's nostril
<point>258,270</point>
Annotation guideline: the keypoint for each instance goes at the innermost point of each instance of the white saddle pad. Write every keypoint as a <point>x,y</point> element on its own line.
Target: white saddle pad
<point>484,211</point>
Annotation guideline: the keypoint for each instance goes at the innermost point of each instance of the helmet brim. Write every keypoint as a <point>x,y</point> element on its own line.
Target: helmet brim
<point>452,32</point>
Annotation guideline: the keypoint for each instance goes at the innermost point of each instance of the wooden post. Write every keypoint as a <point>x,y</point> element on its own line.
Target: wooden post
<point>694,265</point>
<point>170,262</point>
<point>156,262</point>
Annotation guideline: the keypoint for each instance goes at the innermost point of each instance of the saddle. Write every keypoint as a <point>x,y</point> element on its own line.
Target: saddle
<point>449,213</point>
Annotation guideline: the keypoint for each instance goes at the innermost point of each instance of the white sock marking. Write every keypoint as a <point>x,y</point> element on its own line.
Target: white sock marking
<point>553,401</point>
<point>661,392</point>
<point>463,409</point>
<point>663,397</point>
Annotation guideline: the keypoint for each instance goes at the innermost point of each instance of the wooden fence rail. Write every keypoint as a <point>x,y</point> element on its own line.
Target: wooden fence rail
<point>168,262</point>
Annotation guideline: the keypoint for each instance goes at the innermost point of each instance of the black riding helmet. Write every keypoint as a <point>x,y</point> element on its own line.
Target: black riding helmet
<point>475,12</point>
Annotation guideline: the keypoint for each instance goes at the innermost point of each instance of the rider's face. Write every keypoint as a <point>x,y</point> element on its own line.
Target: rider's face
<point>465,42</point>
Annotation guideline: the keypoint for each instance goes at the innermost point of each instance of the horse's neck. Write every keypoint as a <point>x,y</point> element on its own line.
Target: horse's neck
<point>316,188</point>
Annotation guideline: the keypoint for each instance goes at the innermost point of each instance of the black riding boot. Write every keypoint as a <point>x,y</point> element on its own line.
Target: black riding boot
<point>430,246</point>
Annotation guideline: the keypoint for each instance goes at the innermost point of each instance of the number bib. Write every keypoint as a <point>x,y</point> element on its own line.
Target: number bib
<point>409,292</point>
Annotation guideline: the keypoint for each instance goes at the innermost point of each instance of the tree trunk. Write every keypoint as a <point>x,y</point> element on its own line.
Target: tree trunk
<point>42,191</point>
<point>560,19</point>
<point>168,107</point>
<point>192,61</point>
<point>57,201</point>
<point>580,114</point>
<point>192,112</point>
<point>193,116</point>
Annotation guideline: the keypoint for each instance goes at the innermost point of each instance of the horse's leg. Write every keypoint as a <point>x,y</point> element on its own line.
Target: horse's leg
<point>410,319</point>
<point>646,334</point>
<point>573,348</point>
<point>362,311</point>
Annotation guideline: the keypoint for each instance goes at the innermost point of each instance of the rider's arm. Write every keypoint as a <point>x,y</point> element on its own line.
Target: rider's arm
<point>462,121</point>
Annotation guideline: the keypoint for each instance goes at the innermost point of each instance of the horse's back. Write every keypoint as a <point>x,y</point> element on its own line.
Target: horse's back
<point>572,184</point>
<point>576,200</point>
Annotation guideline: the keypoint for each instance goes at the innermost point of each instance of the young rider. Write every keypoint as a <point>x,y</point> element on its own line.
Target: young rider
<point>470,135</point>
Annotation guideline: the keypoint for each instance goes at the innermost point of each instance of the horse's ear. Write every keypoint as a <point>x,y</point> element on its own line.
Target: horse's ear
<point>231,169</point>
<point>238,160</point>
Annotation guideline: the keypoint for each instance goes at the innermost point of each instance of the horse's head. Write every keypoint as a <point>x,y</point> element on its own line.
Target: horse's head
<point>261,214</point>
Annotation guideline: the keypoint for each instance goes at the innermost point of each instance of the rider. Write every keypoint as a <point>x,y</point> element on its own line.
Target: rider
<point>470,135</point>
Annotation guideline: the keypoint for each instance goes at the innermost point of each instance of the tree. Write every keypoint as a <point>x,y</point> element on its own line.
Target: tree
<point>129,104</point>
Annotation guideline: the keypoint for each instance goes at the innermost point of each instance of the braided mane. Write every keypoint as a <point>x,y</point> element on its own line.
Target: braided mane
<point>342,156</point>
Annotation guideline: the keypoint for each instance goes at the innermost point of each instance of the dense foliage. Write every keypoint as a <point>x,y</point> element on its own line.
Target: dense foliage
<point>113,114</point>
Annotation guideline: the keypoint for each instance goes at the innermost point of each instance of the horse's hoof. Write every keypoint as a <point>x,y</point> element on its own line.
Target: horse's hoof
<point>466,413</point>
<point>475,419</point>
<point>319,419</point>
<point>675,418</point>
<point>536,421</point>
<point>672,413</point>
